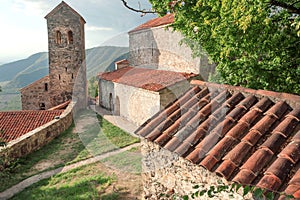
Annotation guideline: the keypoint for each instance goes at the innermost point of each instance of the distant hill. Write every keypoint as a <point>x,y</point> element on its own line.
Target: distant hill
<point>23,72</point>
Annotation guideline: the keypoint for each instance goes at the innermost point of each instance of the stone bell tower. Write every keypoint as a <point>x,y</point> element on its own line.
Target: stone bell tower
<point>67,66</point>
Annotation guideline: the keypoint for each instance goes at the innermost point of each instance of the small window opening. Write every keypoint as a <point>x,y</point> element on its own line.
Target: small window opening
<point>58,76</point>
<point>58,37</point>
<point>42,106</point>
<point>46,87</point>
<point>152,49</point>
<point>70,37</point>
<point>72,76</point>
<point>66,69</point>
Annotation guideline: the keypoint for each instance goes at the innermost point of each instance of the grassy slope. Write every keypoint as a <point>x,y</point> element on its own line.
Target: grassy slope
<point>65,149</point>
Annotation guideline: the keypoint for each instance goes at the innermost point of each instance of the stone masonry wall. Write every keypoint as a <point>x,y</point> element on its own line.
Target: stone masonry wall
<point>67,64</point>
<point>159,48</point>
<point>36,95</point>
<point>105,89</point>
<point>165,172</point>
<point>37,138</point>
<point>136,104</point>
<point>173,92</point>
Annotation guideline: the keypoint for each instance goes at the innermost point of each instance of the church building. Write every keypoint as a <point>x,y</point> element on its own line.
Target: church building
<point>67,67</point>
<point>158,71</point>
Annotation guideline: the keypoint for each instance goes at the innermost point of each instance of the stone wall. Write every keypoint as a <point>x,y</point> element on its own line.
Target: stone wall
<point>67,64</point>
<point>36,96</point>
<point>135,104</point>
<point>40,136</point>
<point>106,92</point>
<point>165,172</point>
<point>159,48</point>
<point>173,92</point>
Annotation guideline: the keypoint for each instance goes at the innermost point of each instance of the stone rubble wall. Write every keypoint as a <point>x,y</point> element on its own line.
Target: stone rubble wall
<point>160,48</point>
<point>40,136</point>
<point>67,66</point>
<point>34,94</point>
<point>165,172</point>
<point>173,92</point>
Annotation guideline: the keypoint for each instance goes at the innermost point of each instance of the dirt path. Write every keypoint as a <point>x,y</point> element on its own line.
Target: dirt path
<point>34,179</point>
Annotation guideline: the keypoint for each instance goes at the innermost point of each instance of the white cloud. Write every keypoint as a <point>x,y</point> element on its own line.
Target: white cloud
<point>32,7</point>
<point>98,28</point>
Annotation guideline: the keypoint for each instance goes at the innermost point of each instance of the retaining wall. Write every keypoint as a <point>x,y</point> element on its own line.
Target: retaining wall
<point>40,136</point>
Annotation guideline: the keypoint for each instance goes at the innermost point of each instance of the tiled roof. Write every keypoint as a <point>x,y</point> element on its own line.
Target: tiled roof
<point>251,137</point>
<point>160,21</point>
<point>56,9</point>
<point>14,124</point>
<point>149,79</point>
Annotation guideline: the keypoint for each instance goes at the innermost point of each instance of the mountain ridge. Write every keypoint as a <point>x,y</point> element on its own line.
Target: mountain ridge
<point>18,74</point>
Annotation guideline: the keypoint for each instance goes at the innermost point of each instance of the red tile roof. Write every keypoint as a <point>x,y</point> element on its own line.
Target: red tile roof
<point>149,79</point>
<point>14,124</point>
<point>247,136</point>
<point>160,21</point>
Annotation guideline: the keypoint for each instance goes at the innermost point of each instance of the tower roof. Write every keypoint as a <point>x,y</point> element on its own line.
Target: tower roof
<point>63,4</point>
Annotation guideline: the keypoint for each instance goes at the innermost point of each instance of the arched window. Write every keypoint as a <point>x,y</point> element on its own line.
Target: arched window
<point>70,37</point>
<point>58,37</point>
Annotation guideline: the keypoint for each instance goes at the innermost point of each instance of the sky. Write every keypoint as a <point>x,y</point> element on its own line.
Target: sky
<point>24,29</point>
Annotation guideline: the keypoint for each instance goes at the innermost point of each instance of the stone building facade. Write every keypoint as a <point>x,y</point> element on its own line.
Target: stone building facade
<point>36,95</point>
<point>156,49</point>
<point>138,93</point>
<point>155,45</point>
<point>67,68</point>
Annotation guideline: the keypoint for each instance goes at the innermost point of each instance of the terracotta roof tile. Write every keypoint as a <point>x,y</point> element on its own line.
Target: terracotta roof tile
<point>294,184</point>
<point>236,132</point>
<point>148,79</point>
<point>14,124</point>
<point>160,21</point>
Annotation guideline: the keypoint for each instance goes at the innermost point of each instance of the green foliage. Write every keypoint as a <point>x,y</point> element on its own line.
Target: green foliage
<point>254,43</point>
<point>217,190</point>
<point>2,142</point>
<point>93,87</point>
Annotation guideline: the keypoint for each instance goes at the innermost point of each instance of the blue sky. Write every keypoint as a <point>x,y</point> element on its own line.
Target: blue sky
<point>24,31</point>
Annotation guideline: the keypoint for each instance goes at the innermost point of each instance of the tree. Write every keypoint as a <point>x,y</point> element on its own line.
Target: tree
<point>254,43</point>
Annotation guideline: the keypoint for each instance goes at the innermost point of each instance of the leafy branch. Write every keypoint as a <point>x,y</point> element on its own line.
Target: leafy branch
<point>290,7</point>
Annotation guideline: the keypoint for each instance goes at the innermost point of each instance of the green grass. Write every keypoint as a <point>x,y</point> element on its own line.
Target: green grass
<point>69,147</point>
<point>129,161</point>
<point>100,136</point>
<point>63,149</point>
<point>87,182</point>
